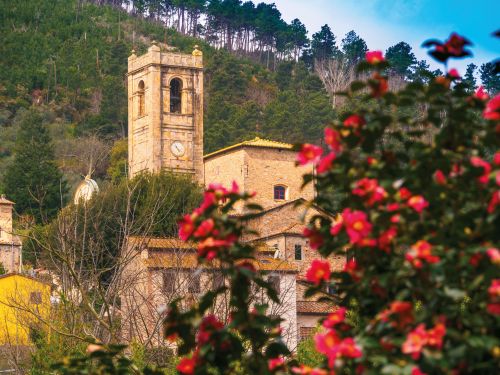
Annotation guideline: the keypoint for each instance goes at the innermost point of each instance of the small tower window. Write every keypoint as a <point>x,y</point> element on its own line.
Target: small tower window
<point>140,93</point>
<point>298,252</point>
<point>280,192</point>
<point>175,95</point>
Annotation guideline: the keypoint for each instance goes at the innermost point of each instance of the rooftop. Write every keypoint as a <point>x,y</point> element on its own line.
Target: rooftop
<point>256,142</point>
<point>4,200</point>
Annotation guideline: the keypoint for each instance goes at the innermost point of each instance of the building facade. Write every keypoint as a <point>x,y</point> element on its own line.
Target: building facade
<point>166,132</point>
<point>10,244</point>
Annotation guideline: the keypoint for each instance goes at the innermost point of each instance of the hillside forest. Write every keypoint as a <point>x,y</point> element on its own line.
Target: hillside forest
<point>66,60</point>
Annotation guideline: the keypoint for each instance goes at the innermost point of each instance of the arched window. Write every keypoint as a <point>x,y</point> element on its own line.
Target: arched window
<point>140,93</point>
<point>175,95</point>
<point>280,192</point>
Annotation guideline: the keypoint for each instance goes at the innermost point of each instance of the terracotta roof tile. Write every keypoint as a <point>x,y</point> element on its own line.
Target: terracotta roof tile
<point>256,142</point>
<point>312,307</point>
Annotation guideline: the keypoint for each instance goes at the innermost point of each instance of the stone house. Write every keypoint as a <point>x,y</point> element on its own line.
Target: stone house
<point>10,244</point>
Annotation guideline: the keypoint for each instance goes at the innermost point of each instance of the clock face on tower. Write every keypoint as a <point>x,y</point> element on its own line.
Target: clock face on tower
<point>177,148</point>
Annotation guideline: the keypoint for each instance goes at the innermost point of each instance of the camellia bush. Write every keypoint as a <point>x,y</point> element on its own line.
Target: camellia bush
<point>418,176</point>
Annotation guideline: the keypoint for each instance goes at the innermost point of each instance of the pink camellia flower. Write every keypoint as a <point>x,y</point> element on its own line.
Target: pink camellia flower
<point>210,199</point>
<point>439,177</point>
<point>493,308</point>
<point>415,342</point>
<point>492,110</point>
<point>205,228</point>
<point>497,178</point>
<point>327,342</point>
<point>306,370</point>
<point>335,318</point>
<point>494,292</point>
<point>186,227</point>
<point>480,163</point>
<point>418,203</point>
<point>357,225</point>
<point>318,271</point>
<point>435,335</point>
<point>494,255</point>
<point>354,121</point>
<point>399,313</point>
<point>186,366</point>
<point>309,154</point>
<point>337,225</point>
<point>325,164</point>
<point>480,94</point>
<point>453,73</point>
<point>209,247</point>
<point>349,348</point>
<point>275,363</point>
<point>416,371</point>
<point>374,57</point>
<point>333,139</point>
<point>315,238</point>
<point>369,188</point>
<point>494,289</point>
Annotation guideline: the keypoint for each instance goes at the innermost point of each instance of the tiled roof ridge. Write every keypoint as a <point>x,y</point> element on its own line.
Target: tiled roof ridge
<point>256,142</point>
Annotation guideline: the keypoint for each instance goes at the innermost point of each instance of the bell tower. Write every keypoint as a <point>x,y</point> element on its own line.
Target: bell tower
<point>165,112</point>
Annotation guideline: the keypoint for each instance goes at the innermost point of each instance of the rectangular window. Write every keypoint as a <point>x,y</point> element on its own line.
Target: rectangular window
<point>217,281</point>
<point>195,283</point>
<point>168,281</point>
<point>36,298</point>
<point>279,192</point>
<point>298,252</point>
<point>275,283</point>
<point>306,332</point>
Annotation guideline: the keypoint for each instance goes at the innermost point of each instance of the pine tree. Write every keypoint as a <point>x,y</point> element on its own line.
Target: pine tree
<point>33,180</point>
<point>323,44</point>
<point>354,47</point>
<point>401,58</point>
<point>490,78</point>
<point>469,80</point>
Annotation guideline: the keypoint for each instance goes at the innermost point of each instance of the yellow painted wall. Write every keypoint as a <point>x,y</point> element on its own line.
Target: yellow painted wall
<point>22,301</point>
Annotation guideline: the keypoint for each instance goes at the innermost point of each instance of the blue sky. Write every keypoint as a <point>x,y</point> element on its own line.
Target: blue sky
<point>382,23</point>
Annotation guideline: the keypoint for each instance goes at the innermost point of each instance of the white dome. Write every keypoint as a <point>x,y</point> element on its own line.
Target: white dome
<point>86,190</point>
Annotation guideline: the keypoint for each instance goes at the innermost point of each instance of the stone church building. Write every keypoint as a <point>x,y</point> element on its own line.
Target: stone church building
<point>165,115</point>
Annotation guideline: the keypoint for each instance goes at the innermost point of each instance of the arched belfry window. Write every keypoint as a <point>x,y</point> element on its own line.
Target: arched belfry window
<point>140,93</point>
<point>176,95</point>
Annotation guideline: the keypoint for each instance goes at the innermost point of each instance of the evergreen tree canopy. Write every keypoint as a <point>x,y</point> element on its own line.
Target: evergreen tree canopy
<point>323,44</point>
<point>490,78</point>
<point>469,80</point>
<point>354,47</point>
<point>401,58</point>
<point>33,180</point>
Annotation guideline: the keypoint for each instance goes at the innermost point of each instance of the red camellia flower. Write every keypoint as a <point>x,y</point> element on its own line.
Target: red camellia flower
<point>422,250</point>
<point>209,247</point>
<point>318,272</point>
<point>327,343</point>
<point>453,73</point>
<point>354,121</point>
<point>314,236</point>
<point>453,47</point>
<point>494,202</point>
<point>496,158</point>
<point>477,162</point>
<point>208,326</point>
<point>415,342</point>
<point>325,163</point>
<point>335,318</point>
<point>309,154</point>
<point>186,366</point>
<point>379,85</point>
<point>494,289</point>
<point>480,94</point>
<point>374,57</point>
<point>186,227</point>
<point>275,363</point>
<point>399,314</point>
<point>416,371</point>
<point>492,110</point>
<point>351,268</point>
<point>370,189</point>
<point>357,225</point>
<point>435,335</point>
<point>385,239</point>
<point>439,177</point>
<point>205,228</point>
<point>404,193</point>
<point>418,203</point>
<point>306,370</point>
<point>349,349</point>
<point>333,139</point>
